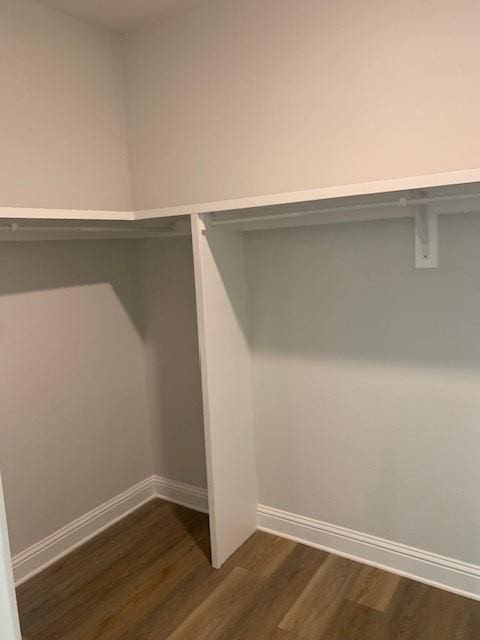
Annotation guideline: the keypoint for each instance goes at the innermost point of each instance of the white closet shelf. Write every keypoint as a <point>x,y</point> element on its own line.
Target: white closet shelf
<point>420,198</point>
<point>315,196</point>
<point>300,198</point>
<point>422,205</point>
<point>41,213</point>
<point>464,198</point>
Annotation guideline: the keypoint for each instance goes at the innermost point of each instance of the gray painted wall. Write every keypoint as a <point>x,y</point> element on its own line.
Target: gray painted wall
<point>172,362</point>
<point>99,376</point>
<point>73,418</point>
<point>367,377</point>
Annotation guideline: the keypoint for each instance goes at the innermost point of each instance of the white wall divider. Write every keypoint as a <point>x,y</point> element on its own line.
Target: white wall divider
<point>9,624</point>
<point>221,294</point>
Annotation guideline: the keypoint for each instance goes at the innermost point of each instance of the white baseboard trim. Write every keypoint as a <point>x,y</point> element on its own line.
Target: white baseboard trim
<point>40,555</point>
<point>439,571</point>
<point>432,569</point>
<point>186,495</point>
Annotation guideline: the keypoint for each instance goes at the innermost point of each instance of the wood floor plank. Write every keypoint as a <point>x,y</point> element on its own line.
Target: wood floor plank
<point>280,634</point>
<point>113,553</point>
<point>116,581</point>
<point>374,588</point>
<point>260,555</point>
<point>263,553</point>
<point>149,578</point>
<point>419,611</point>
<point>140,596</point>
<point>71,572</point>
<point>279,593</point>
<point>470,616</point>
<point>355,622</point>
<point>221,610</point>
<point>312,612</point>
<point>170,612</point>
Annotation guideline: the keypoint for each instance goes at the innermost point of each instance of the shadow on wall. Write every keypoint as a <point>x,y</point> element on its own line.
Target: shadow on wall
<point>232,270</point>
<point>42,266</point>
<point>154,282</point>
<point>351,291</point>
<point>172,359</point>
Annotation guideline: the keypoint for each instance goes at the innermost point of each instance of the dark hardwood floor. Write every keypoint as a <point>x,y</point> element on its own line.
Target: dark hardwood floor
<point>149,578</point>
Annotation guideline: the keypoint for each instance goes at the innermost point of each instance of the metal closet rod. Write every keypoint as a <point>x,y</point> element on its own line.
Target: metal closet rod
<point>402,202</point>
<point>15,227</point>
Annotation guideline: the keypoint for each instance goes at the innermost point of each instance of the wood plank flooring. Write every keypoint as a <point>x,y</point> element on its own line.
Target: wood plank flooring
<point>149,578</point>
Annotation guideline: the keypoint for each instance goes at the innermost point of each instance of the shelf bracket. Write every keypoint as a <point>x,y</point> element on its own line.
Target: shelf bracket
<point>426,239</point>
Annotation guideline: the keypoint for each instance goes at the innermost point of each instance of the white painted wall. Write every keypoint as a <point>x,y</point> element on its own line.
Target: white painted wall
<point>73,417</point>
<point>366,377</point>
<point>169,328</point>
<point>62,114</point>
<point>230,99</point>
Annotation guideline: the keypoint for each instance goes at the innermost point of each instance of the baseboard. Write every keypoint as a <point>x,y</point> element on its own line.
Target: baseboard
<point>435,570</point>
<point>180,493</point>
<point>39,556</point>
<point>439,571</point>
